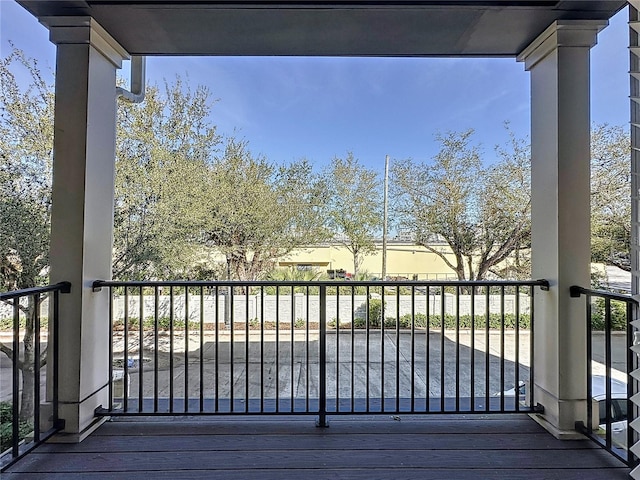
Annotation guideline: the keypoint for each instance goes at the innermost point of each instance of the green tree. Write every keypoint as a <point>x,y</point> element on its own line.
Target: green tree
<point>506,211</point>
<point>482,213</point>
<point>355,206</point>
<point>26,146</point>
<point>164,149</point>
<point>256,212</point>
<point>610,196</point>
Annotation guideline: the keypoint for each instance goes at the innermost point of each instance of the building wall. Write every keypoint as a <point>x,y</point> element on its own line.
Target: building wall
<point>403,260</point>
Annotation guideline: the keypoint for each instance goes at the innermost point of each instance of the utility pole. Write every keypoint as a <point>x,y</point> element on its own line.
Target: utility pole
<point>384,218</point>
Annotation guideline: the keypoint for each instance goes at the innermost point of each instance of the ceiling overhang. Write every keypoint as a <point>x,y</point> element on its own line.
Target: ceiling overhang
<point>326,28</point>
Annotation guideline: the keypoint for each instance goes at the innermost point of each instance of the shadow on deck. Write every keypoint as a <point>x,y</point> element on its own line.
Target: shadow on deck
<point>290,447</point>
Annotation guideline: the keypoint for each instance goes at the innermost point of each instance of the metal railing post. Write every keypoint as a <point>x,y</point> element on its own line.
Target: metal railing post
<point>15,406</point>
<point>21,442</point>
<point>445,355</point>
<point>322,381</point>
<point>592,429</point>
<point>56,363</point>
<point>589,365</point>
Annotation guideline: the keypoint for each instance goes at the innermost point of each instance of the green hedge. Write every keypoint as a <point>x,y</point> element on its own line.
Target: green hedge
<point>164,323</point>
<point>6,324</point>
<point>435,322</point>
<point>466,321</point>
<point>618,315</point>
<point>6,427</point>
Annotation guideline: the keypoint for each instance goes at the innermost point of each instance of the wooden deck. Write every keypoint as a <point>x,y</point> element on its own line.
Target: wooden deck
<point>364,447</point>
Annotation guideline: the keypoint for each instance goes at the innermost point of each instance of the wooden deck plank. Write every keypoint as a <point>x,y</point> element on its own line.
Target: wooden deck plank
<point>354,448</point>
<point>342,474</point>
<point>384,424</point>
<point>395,441</point>
<point>310,459</point>
<point>303,406</point>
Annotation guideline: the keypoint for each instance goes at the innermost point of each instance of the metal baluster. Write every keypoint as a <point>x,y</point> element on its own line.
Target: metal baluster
<point>322,381</point>
<point>141,352</point>
<point>201,359</point>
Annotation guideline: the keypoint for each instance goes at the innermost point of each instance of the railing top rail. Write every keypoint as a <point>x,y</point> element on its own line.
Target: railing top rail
<point>544,284</point>
<point>62,287</point>
<point>576,291</point>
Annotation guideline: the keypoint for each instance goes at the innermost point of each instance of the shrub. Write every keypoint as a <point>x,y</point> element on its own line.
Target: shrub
<point>345,289</point>
<point>375,312</point>
<point>618,315</point>
<point>6,324</point>
<point>390,322</point>
<point>359,323</point>
<point>164,323</point>
<point>465,321</point>
<point>420,320</point>
<point>6,427</point>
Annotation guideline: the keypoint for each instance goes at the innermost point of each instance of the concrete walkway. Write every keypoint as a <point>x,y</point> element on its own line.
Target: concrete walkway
<point>348,370</point>
<point>360,366</point>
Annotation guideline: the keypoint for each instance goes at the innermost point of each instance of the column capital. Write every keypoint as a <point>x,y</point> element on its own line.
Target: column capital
<point>561,33</point>
<point>85,30</point>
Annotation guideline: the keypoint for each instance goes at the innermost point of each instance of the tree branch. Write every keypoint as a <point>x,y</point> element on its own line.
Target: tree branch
<point>442,256</point>
<point>43,357</point>
<point>9,353</point>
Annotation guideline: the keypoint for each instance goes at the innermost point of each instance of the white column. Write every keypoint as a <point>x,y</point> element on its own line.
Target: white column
<point>82,211</point>
<point>560,155</point>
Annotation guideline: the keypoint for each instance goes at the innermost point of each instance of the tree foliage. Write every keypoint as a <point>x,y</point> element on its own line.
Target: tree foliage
<point>354,207</point>
<point>26,146</point>
<point>255,212</point>
<point>610,196</point>
<point>164,147</point>
<point>482,213</point>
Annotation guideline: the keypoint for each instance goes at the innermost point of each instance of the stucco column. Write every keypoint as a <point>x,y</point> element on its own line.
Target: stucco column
<point>82,210</point>
<point>559,61</point>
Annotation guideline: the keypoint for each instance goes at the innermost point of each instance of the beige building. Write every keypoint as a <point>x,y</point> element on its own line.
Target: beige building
<point>404,259</point>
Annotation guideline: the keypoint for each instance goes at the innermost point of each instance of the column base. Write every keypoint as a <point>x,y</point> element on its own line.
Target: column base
<point>78,437</point>
<point>555,431</point>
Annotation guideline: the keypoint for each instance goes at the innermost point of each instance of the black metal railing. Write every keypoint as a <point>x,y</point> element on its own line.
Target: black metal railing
<point>27,417</point>
<point>324,348</point>
<point>609,364</point>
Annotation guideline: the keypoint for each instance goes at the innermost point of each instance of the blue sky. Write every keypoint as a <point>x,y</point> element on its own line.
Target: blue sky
<point>318,108</point>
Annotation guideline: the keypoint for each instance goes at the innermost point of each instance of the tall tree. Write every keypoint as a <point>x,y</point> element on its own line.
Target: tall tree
<point>507,213</point>
<point>256,212</point>
<point>162,152</point>
<point>26,146</point>
<point>164,147</point>
<point>482,213</point>
<point>355,206</point>
<point>610,196</point>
